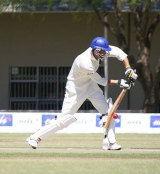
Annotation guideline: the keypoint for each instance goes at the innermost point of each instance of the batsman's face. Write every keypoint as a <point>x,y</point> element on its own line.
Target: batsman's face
<point>102,53</point>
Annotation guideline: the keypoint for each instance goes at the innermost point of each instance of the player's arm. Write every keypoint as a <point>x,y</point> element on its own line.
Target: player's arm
<point>122,56</point>
<point>129,72</point>
<point>103,81</point>
<point>98,79</point>
<point>126,63</point>
<point>112,82</point>
<point>121,82</point>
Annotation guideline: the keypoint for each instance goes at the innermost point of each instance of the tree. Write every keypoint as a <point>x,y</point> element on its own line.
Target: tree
<point>141,10</point>
<point>144,29</point>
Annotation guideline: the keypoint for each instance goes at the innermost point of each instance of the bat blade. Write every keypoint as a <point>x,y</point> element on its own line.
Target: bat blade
<point>114,107</point>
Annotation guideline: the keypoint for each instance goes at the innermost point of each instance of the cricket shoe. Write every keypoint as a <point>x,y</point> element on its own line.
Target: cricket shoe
<point>109,146</point>
<point>32,142</point>
<point>114,146</point>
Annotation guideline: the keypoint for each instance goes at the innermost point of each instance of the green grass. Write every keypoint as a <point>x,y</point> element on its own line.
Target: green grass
<point>80,154</point>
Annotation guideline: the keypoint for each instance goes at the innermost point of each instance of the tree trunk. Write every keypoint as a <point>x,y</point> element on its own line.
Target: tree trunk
<point>145,77</point>
<point>152,100</point>
<point>144,35</point>
<point>151,103</point>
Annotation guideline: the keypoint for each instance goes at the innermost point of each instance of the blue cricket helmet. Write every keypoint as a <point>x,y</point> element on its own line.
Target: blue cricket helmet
<point>100,42</point>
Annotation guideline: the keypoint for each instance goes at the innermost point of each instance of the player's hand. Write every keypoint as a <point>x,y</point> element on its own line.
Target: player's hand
<point>124,84</point>
<point>131,74</point>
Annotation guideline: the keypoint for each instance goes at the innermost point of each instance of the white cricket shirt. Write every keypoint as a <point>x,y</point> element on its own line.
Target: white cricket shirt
<point>83,76</point>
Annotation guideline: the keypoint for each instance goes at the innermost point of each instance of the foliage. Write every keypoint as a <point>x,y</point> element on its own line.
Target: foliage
<point>144,30</point>
<point>21,5</point>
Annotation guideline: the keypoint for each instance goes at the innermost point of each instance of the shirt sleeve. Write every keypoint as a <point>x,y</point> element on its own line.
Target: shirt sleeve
<point>117,52</point>
<point>98,79</point>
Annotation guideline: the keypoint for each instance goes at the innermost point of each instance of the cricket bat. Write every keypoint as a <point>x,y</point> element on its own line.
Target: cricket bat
<point>114,107</point>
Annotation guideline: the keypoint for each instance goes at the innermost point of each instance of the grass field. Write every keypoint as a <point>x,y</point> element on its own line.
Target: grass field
<point>80,154</point>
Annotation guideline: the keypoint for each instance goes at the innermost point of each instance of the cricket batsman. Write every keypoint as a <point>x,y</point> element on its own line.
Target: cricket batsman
<point>83,83</point>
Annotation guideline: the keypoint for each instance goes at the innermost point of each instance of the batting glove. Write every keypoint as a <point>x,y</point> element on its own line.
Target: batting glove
<point>124,84</point>
<point>131,74</point>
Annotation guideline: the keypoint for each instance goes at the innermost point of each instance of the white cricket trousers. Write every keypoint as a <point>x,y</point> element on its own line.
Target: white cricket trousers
<point>71,104</point>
